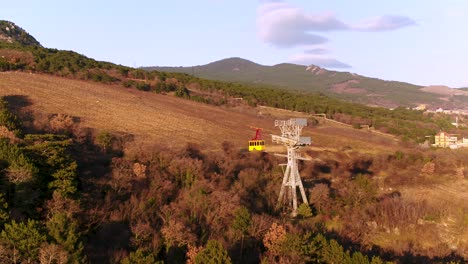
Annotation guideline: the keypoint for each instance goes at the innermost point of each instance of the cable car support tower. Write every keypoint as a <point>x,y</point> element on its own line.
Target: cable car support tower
<point>291,138</point>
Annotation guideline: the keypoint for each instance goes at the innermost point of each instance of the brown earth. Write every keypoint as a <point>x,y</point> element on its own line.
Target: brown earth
<point>443,90</point>
<point>346,87</point>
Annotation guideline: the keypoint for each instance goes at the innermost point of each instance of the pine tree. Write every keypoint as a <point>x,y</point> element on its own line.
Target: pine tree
<point>64,231</point>
<point>241,224</point>
<point>213,253</point>
<point>23,240</point>
<point>4,214</point>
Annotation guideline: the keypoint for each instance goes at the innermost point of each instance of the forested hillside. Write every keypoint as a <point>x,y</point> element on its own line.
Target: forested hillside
<point>343,85</point>
<point>413,125</point>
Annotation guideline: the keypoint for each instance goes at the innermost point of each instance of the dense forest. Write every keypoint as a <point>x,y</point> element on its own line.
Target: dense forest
<point>409,124</point>
<point>71,195</point>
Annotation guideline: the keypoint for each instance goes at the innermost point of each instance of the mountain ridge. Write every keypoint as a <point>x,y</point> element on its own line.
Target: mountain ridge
<point>343,85</point>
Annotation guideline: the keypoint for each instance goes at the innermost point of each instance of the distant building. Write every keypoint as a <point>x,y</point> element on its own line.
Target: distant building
<point>420,107</point>
<point>454,111</point>
<point>444,140</point>
<point>463,143</point>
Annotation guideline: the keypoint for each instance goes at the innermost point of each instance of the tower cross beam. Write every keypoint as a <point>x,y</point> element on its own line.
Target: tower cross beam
<point>291,138</point>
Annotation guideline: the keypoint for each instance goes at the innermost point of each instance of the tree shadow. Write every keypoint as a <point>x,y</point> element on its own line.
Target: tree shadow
<point>361,167</point>
<point>108,238</point>
<point>251,251</point>
<point>17,105</point>
<point>17,102</point>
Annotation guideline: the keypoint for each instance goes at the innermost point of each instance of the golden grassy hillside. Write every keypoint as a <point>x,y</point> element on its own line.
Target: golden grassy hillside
<point>146,115</point>
<point>168,119</point>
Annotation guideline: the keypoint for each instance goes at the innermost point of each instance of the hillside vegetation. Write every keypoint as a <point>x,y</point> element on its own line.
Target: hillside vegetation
<point>412,125</point>
<point>343,85</point>
<point>11,33</point>
<point>70,194</point>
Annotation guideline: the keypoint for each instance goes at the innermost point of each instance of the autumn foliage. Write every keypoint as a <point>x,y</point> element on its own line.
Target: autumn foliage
<point>67,198</point>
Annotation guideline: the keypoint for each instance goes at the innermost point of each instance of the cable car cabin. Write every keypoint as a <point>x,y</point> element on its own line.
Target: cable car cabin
<point>257,145</point>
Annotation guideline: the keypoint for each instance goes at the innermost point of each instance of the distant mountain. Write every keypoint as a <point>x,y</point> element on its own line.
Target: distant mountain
<point>343,85</point>
<point>11,33</point>
<point>445,90</point>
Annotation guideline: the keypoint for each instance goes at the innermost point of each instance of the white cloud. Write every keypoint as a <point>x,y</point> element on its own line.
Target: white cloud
<point>384,23</point>
<point>316,51</point>
<point>285,26</point>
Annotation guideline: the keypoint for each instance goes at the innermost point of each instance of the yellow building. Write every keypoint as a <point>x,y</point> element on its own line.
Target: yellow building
<point>444,140</point>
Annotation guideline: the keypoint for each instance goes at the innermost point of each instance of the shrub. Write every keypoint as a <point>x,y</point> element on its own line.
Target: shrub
<point>143,86</point>
<point>141,257</point>
<point>20,167</point>
<point>105,140</point>
<point>8,119</point>
<point>304,211</point>
<point>213,253</point>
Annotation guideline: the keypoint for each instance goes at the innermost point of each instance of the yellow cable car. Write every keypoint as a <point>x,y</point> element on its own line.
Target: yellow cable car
<point>257,143</point>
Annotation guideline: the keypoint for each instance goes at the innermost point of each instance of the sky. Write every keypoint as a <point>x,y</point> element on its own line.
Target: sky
<point>421,42</point>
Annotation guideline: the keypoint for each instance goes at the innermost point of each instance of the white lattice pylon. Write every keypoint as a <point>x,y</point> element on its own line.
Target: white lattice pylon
<point>290,137</point>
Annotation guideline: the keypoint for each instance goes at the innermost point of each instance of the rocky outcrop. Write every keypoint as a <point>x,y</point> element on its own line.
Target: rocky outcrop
<point>11,33</point>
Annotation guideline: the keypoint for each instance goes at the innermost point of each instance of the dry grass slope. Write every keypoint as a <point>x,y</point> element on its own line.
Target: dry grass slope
<point>171,120</point>
<point>146,115</point>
